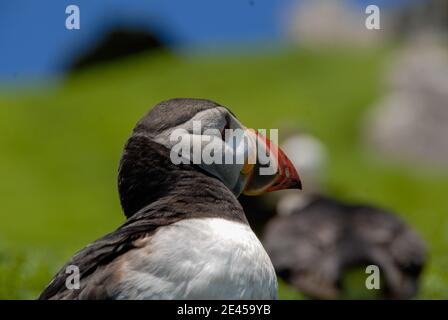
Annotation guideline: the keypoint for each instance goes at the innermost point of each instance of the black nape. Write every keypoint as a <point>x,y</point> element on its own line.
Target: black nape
<point>150,184</point>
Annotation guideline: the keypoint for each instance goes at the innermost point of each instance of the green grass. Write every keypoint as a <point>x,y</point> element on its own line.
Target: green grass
<point>60,149</point>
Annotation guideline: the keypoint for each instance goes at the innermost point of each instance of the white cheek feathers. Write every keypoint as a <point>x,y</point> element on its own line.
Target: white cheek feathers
<point>202,141</point>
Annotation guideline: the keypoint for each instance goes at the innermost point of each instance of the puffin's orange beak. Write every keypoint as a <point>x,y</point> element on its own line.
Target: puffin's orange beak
<point>273,170</point>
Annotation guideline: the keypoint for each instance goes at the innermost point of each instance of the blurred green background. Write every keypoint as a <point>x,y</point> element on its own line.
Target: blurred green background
<point>273,63</point>
<point>60,148</point>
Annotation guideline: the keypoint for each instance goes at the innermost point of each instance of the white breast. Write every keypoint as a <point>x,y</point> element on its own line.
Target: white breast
<point>208,258</point>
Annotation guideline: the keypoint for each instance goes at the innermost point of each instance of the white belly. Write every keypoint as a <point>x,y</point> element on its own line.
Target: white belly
<point>208,258</point>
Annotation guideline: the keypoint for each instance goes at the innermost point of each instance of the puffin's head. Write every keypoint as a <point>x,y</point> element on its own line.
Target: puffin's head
<point>208,136</point>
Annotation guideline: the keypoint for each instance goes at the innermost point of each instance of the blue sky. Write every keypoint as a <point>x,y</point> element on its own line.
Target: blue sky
<point>34,42</point>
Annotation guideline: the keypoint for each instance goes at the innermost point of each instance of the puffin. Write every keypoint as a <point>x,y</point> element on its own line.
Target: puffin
<point>317,242</point>
<point>324,241</point>
<point>185,235</point>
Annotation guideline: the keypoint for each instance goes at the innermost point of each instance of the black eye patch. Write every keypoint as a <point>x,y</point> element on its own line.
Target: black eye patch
<point>226,127</point>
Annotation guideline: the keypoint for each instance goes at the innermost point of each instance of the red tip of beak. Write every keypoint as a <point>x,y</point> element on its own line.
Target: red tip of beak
<point>284,177</point>
<point>287,176</point>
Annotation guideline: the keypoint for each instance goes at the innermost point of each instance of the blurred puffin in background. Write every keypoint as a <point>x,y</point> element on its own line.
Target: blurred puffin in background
<point>186,235</point>
<point>316,241</point>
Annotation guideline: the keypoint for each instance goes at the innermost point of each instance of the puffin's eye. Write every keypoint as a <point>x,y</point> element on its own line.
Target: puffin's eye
<point>223,131</point>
